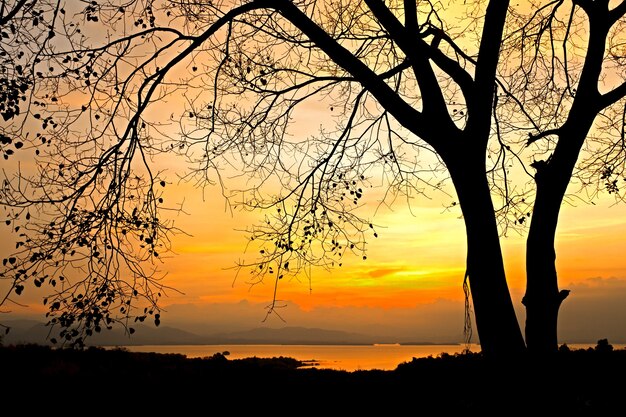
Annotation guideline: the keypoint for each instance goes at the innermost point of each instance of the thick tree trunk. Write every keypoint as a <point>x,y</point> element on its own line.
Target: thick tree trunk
<point>543,297</point>
<point>498,329</point>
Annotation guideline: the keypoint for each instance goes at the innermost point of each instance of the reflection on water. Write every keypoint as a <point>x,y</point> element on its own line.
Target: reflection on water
<point>340,357</point>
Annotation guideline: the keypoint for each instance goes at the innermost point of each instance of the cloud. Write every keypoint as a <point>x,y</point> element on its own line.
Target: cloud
<point>383,272</point>
<point>595,309</point>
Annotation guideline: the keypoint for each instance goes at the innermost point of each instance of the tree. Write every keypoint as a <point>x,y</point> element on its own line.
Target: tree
<point>567,78</point>
<point>97,200</point>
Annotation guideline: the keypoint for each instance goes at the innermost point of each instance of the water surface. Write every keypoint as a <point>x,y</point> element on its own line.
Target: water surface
<point>340,357</point>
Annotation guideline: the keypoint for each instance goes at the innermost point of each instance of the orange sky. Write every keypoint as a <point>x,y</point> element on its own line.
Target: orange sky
<point>416,263</point>
<point>413,269</point>
<point>417,260</point>
<point>417,257</point>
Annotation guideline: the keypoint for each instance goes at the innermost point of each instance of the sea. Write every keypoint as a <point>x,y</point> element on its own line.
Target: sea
<point>339,357</point>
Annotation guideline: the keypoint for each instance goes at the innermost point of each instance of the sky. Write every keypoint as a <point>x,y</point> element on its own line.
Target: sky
<point>410,285</point>
<point>411,282</point>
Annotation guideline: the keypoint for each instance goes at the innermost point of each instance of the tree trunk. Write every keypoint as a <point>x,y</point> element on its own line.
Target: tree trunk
<point>543,298</point>
<point>498,329</point>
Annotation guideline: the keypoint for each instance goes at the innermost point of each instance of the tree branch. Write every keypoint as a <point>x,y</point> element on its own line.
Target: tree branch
<point>415,48</point>
<point>410,16</point>
<point>5,19</point>
<point>613,96</point>
<point>408,116</point>
<point>479,104</point>
<point>617,12</point>
<point>534,138</point>
<point>453,69</point>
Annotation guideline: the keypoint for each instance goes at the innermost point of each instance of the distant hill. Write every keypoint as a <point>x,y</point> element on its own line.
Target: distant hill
<point>294,336</point>
<point>31,331</point>
<point>27,331</point>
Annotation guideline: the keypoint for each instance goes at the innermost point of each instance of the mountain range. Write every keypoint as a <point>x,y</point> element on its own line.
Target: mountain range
<point>31,331</point>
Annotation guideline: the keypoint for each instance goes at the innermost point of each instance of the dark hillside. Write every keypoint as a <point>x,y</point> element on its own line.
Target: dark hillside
<point>41,378</point>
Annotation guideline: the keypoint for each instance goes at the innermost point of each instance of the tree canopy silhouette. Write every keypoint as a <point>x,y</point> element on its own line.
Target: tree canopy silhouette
<point>420,92</point>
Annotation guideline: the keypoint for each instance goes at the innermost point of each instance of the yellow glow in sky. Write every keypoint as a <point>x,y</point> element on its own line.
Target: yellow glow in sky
<point>418,258</point>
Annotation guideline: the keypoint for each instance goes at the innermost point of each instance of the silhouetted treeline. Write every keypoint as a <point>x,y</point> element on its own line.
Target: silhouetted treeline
<point>571,382</point>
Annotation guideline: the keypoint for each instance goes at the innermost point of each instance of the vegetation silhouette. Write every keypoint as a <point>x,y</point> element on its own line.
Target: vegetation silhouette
<point>417,101</point>
<point>574,381</point>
